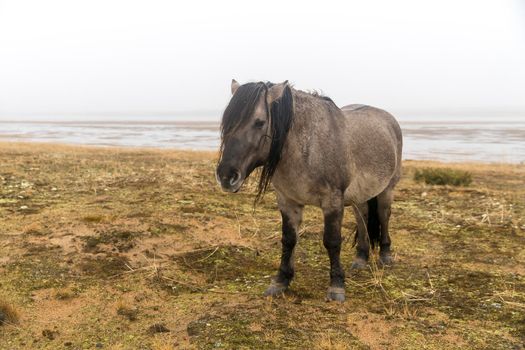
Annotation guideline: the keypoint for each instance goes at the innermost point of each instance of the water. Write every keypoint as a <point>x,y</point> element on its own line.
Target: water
<point>130,133</point>
<point>465,140</point>
<point>455,140</point>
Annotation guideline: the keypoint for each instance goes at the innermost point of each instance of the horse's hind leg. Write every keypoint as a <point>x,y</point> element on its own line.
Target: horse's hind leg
<point>384,203</point>
<point>292,214</point>
<point>362,240</point>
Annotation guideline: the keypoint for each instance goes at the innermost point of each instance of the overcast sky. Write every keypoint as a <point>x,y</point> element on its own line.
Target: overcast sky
<point>158,57</point>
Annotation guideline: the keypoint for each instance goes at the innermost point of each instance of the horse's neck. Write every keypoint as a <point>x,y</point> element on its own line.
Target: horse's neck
<point>314,130</point>
<point>316,121</point>
<point>314,151</point>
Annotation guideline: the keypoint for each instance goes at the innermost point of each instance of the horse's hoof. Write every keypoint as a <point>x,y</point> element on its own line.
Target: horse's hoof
<point>358,264</point>
<point>335,294</point>
<point>275,289</point>
<point>386,260</point>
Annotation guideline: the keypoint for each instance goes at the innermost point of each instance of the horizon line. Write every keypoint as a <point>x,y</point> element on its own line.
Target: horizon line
<point>467,111</point>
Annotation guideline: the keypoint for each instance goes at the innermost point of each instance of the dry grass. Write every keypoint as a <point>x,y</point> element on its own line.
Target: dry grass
<point>126,310</point>
<point>161,345</point>
<point>98,246</point>
<point>9,314</point>
<point>93,218</point>
<point>34,228</point>
<point>329,342</point>
<point>65,293</point>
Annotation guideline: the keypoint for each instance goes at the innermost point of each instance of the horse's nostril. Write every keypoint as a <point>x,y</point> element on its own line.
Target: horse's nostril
<point>234,178</point>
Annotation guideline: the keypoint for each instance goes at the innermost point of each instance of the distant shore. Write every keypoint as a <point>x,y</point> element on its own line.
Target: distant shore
<point>485,136</point>
<point>468,139</point>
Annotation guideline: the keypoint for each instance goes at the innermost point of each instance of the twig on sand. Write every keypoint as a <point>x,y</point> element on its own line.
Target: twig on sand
<point>11,324</point>
<point>196,250</point>
<point>275,235</point>
<point>211,247</point>
<point>130,270</point>
<point>432,290</point>
<point>411,297</point>
<point>238,222</point>
<point>209,255</point>
<point>256,224</point>
<point>513,303</point>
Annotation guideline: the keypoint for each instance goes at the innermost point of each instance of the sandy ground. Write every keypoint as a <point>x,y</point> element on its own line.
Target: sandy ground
<point>139,249</point>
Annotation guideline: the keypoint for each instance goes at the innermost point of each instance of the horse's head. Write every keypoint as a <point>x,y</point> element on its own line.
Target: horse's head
<point>253,130</point>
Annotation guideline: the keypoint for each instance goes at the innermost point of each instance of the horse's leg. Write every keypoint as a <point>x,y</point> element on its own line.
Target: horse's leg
<point>363,243</point>
<point>333,217</point>
<point>291,214</point>
<point>384,203</point>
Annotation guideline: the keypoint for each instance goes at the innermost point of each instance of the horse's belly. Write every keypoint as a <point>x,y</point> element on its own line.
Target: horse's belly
<point>299,192</point>
<point>374,166</point>
<point>363,188</point>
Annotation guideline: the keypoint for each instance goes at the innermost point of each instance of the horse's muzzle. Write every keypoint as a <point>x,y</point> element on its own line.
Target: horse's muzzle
<point>230,179</point>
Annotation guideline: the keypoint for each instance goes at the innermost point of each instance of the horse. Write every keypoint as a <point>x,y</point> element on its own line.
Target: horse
<point>314,153</point>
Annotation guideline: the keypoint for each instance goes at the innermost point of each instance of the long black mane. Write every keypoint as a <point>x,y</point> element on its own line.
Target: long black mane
<point>280,117</point>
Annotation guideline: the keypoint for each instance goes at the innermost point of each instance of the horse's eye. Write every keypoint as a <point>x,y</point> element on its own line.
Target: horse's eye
<point>258,124</point>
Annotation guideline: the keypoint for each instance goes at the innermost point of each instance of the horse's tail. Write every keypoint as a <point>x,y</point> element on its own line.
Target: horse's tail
<point>373,225</point>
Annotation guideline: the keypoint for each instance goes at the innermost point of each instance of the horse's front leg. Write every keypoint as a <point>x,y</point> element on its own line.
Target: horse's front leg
<point>292,214</point>
<point>333,217</point>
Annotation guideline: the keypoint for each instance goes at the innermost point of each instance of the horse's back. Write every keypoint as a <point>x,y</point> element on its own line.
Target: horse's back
<point>365,119</point>
<point>375,138</point>
<point>354,107</point>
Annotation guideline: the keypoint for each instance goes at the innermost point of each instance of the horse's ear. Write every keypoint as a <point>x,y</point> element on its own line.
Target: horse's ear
<point>235,86</point>
<point>277,91</point>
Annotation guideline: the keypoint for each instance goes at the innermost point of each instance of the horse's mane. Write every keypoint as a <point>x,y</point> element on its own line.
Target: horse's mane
<point>318,94</point>
<point>280,116</point>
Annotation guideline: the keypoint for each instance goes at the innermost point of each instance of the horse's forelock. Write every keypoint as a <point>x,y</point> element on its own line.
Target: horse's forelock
<point>240,108</point>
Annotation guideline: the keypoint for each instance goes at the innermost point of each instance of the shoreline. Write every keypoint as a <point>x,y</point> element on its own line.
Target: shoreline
<point>450,141</point>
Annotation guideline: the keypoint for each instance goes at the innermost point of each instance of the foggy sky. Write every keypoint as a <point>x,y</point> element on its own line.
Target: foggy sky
<point>160,57</point>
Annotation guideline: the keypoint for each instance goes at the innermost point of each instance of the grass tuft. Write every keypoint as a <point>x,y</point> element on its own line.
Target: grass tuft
<point>64,293</point>
<point>328,342</point>
<point>35,229</point>
<point>129,312</point>
<point>443,176</point>
<point>93,218</point>
<point>8,313</point>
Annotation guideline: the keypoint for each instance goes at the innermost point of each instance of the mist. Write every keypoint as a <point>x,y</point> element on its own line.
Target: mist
<point>75,58</point>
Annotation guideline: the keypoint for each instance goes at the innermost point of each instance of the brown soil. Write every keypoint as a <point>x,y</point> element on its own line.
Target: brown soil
<point>102,247</point>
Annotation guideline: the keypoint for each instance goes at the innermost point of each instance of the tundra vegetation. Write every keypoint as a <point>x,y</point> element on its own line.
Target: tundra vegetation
<point>128,249</point>
<point>443,176</point>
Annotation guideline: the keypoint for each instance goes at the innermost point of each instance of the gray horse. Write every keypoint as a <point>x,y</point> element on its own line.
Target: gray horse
<point>314,153</point>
